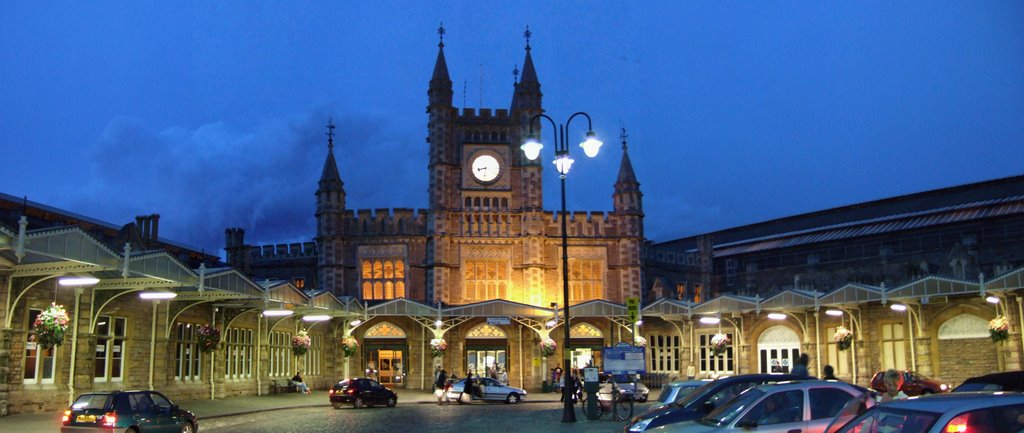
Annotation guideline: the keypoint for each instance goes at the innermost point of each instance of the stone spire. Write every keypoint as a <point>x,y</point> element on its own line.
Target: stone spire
<point>628,198</point>
<point>330,180</point>
<point>440,91</point>
<point>527,95</point>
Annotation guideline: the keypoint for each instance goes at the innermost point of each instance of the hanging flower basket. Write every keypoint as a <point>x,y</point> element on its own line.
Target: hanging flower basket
<point>999,329</point>
<point>438,346</point>
<point>843,338</point>
<point>51,325</point>
<point>639,341</point>
<point>547,347</point>
<point>301,343</point>
<point>349,345</point>
<point>719,343</point>
<point>209,338</point>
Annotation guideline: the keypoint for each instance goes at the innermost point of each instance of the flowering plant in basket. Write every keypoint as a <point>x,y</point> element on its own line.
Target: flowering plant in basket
<point>719,343</point>
<point>547,347</point>
<point>349,345</point>
<point>209,338</point>
<point>843,337</point>
<point>301,343</point>
<point>438,346</point>
<point>51,325</point>
<point>639,341</point>
<point>999,329</point>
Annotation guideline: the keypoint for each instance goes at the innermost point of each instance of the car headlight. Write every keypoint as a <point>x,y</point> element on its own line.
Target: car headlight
<point>640,425</point>
<point>944,387</point>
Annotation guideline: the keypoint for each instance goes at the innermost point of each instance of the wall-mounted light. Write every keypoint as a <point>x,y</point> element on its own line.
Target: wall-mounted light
<point>992,299</point>
<point>834,313</point>
<point>777,316</point>
<point>157,295</point>
<point>639,322</point>
<point>316,317</point>
<point>898,307</point>
<point>710,320</point>
<point>355,323</point>
<point>438,323</point>
<point>277,312</point>
<point>77,281</point>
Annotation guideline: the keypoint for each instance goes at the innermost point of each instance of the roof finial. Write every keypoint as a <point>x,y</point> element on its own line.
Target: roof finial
<point>440,32</point>
<point>623,136</point>
<point>515,74</point>
<point>527,35</point>
<point>330,133</point>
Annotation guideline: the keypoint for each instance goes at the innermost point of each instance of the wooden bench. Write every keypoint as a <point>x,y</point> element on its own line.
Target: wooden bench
<point>282,385</point>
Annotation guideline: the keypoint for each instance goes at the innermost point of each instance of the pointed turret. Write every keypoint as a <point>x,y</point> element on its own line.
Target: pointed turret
<point>330,195</point>
<point>440,91</point>
<point>527,94</point>
<point>627,197</point>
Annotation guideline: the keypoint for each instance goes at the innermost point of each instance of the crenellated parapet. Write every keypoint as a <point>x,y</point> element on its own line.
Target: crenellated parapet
<point>373,222</point>
<point>581,224</point>
<point>262,253</point>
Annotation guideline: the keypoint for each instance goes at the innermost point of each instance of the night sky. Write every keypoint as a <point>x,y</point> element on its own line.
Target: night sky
<point>211,113</point>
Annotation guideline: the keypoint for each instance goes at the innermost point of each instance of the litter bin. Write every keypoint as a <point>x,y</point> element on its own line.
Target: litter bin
<point>544,387</point>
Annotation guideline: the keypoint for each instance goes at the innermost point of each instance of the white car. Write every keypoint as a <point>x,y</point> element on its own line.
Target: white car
<point>490,389</point>
<point>804,406</point>
<point>969,412</point>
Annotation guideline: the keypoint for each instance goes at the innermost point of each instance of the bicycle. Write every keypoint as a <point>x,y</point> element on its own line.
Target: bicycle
<point>620,406</point>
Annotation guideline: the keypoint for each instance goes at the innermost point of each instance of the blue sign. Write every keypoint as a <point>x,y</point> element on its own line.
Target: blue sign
<point>624,360</point>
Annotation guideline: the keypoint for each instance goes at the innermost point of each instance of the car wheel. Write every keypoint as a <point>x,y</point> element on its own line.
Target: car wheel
<point>357,403</point>
<point>512,398</point>
<point>336,404</point>
<point>187,428</point>
<point>392,401</point>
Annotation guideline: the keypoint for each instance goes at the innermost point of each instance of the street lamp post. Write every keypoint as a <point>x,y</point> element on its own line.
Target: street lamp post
<point>531,148</point>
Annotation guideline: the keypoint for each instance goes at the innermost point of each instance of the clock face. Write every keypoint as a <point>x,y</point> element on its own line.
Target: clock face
<point>486,168</point>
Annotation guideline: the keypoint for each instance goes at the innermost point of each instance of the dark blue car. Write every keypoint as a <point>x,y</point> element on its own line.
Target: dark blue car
<point>702,401</point>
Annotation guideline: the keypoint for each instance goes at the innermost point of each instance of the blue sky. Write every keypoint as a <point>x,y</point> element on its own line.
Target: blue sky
<point>211,113</point>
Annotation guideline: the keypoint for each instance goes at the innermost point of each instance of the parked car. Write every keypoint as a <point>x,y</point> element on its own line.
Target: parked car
<point>913,384</point>
<point>361,392</point>
<point>702,401</point>
<point>626,386</point>
<point>676,390</point>
<point>807,406</point>
<point>1005,381</point>
<point>969,412</point>
<point>126,411</point>
<point>490,389</point>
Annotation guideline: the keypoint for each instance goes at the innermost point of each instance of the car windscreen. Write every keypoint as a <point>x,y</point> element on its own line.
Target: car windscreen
<point>91,401</point>
<point>882,419</point>
<point>726,413</point>
<point>978,386</point>
<point>697,394</point>
<point>851,410</point>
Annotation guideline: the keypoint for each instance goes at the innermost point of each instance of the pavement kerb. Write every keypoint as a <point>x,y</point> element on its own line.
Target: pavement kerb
<point>312,405</point>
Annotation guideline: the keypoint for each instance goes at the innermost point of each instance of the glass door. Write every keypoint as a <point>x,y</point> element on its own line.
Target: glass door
<point>389,364</point>
<point>482,362</point>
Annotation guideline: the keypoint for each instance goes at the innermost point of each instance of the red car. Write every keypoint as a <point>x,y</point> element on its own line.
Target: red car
<point>913,384</point>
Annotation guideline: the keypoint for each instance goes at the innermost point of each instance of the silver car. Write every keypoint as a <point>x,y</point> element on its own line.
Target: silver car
<point>804,406</point>
<point>490,389</point>
<point>981,412</point>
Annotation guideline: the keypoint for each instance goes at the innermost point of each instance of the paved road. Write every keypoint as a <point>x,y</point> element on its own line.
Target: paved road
<point>429,418</point>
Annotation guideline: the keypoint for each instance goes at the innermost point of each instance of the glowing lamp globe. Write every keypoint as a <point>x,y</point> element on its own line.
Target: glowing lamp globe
<point>563,163</point>
<point>592,145</point>
<point>531,148</point>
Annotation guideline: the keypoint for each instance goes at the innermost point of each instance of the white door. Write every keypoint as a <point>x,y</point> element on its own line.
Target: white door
<point>778,348</point>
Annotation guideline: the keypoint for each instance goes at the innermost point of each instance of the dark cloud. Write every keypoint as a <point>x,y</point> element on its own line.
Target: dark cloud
<point>262,178</point>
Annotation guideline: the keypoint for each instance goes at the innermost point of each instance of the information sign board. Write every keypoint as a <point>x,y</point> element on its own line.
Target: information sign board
<point>624,360</point>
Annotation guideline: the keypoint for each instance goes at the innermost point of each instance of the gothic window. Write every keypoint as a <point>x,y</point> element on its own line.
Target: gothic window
<point>384,330</point>
<point>664,353</point>
<point>486,330</point>
<point>893,346</point>
<point>585,330</point>
<point>839,360</point>
<point>698,293</point>
<point>681,291</point>
<point>312,358</point>
<point>299,283</point>
<point>712,363</point>
<point>39,362</point>
<point>586,280</point>
<point>187,360</point>
<point>280,364</point>
<point>238,346</point>
<point>485,279</point>
<point>383,279</point>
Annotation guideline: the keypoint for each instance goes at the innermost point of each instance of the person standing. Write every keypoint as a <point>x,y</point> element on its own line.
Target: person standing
<point>439,386</point>
<point>467,387</point>
<point>829,373</point>
<point>800,369</point>
<point>893,382</point>
<point>503,377</point>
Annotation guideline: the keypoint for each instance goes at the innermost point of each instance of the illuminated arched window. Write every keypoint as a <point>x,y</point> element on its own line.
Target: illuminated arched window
<point>383,278</point>
<point>586,279</point>
<point>485,279</point>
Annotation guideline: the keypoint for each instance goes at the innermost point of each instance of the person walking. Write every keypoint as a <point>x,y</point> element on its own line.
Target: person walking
<point>467,388</point>
<point>439,387</point>
<point>800,369</point>
<point>829,373</point>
